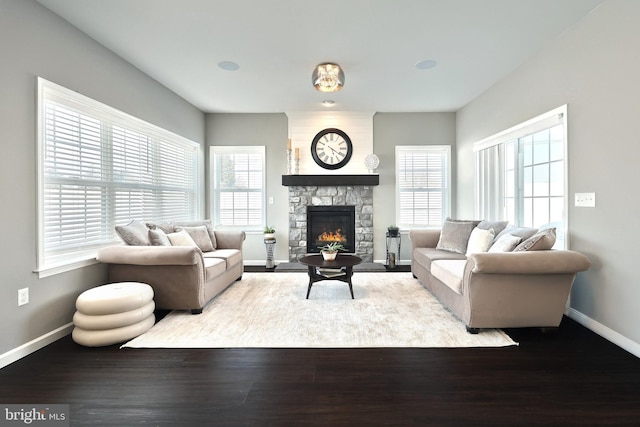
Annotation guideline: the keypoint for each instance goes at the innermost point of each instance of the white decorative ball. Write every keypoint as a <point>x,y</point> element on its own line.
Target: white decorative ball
<point>371,161</point>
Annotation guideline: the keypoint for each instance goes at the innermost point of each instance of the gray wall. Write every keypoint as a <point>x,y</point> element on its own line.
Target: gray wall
<point>389,130</point>
<point>269,130</point>
<point>594,68</point>
<point>35,42</point>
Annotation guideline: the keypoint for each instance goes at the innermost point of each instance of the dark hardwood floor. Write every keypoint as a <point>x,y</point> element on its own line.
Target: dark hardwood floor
<point>569,377</point>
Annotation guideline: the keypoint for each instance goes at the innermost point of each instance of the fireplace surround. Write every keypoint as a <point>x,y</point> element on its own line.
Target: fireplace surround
<point>358,196</point>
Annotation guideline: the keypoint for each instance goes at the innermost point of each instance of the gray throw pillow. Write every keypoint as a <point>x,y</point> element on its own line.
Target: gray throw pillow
<point>200,235</point>
<point>157,237</point>
<point>197,223</point>
<point>497,226</point>
<point>454,236</point>
<point>541,241</point>
<point>135,233</point>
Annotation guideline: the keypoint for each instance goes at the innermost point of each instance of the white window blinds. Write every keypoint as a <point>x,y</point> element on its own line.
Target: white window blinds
<point>99,167</point>
<point>238,183</point>
<point>422,185</point>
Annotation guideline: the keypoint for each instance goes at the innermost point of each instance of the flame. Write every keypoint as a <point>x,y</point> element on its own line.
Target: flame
<point>332,236</point>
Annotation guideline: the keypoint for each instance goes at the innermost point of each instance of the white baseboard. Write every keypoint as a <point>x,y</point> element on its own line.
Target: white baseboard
<point>605,332</point>
<point>34,345</point>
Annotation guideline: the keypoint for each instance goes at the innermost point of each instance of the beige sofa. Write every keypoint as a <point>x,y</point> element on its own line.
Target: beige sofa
<point>528,288</point>
<point>183,276</point>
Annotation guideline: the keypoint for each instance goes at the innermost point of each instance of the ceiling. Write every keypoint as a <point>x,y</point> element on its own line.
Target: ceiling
<point>277,43</point>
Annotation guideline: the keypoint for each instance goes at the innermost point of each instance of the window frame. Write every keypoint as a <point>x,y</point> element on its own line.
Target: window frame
<point>514,136</point>
<point>215,150</point>
<point>446,188</point>
<point>55,97</point>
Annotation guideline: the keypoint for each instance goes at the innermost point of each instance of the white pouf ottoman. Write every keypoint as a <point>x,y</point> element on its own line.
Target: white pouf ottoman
<point>114,313</point>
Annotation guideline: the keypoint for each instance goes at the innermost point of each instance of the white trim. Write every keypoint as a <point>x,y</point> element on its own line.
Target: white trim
<point>543,121</point>
<point>34,345</point>
<point>605,332</point>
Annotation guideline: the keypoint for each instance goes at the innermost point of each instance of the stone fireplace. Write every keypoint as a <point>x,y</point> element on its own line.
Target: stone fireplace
<point>359,197</point>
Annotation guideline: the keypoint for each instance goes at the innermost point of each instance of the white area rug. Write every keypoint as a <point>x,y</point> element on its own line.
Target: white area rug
<point>270,310</point>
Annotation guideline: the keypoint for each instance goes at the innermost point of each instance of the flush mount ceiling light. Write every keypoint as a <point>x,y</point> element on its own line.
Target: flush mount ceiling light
<point>328,77</point>
<point>228,66</point>
<point>328,103</point>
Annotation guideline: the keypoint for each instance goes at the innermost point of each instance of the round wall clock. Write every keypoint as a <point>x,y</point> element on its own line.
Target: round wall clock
<point>331,148</point>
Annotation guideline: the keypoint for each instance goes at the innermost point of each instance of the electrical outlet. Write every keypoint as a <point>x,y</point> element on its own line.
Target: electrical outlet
<point>23,296</point>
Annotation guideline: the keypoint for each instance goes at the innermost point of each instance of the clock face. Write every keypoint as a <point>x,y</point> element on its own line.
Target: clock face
<point>331,148</point>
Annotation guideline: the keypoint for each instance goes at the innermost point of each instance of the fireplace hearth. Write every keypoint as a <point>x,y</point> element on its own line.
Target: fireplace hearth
<point>328,224</point>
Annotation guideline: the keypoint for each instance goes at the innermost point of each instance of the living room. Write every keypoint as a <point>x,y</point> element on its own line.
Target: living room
<point>591,67</point>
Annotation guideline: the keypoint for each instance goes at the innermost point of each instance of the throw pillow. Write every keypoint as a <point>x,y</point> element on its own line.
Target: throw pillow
<point>455,235</point>
<point>134,234</point>
<point>181,238</point>
<point>480,240</point>
<point>200,235</point>
<point>541,241</point>
<point>497,226</point>
<point>167,227</point>
<point>523,232</point>
<point>205,222</point>
<point>506,243</point>
<point>157,237</point>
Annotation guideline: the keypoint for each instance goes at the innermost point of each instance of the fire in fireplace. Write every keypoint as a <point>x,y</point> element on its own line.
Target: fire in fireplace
<point>326,224</point>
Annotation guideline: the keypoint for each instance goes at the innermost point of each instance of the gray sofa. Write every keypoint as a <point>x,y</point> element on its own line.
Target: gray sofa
<point>498,289</point>
<point>182,274</point>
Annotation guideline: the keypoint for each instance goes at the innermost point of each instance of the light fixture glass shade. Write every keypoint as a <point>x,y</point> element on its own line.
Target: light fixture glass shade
<point>328,77</point>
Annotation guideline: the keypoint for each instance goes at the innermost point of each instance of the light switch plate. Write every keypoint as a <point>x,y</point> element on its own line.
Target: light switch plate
<point>586,200</point>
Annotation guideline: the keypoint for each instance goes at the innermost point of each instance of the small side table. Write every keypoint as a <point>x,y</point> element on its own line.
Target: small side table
<point>394,243</point>
<point>270,244</point>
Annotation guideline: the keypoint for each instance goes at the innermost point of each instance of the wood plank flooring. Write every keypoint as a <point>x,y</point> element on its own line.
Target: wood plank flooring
<point>570,377</point>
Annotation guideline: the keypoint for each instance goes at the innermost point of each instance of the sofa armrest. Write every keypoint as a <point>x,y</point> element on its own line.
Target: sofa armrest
<point>150,255</point>
<point>229,239</point>
<point>424,238</point>
<point>534,262</point>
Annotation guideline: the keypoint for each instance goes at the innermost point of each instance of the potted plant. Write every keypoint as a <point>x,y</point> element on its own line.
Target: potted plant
<point>330,250</point>
<point>393,230</point>
<point>269,233</point>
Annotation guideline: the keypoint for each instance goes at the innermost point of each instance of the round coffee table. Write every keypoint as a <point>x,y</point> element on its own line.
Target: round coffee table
<point>339,269</point>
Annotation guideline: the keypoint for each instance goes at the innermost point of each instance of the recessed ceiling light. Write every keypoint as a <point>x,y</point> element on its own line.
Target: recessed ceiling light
<point>228,66</point>
<point>425,64</point>
<point>328,103</point>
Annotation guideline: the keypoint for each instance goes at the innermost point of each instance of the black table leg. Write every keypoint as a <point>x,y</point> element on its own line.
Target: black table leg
<point>310,280</point>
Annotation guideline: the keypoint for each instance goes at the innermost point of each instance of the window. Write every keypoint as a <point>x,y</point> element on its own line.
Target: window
<point>521,174</point>
<point>422,185</point>
<point>238,183</point>
<point>99,167</point>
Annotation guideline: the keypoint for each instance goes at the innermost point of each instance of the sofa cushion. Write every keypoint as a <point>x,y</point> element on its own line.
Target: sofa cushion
<point>425,256</point>
<point>200,235</point>
<point>181,238</point>
<point>231,256</point>
<point>506,243</point>
<point>455,235</point>
<point>135,233</point>
<point>480,240</point>
<point>449,272</point>
<point>157,237</point>
<point>205,222</point>
<point>213,267</point>
<point>541,241</point>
